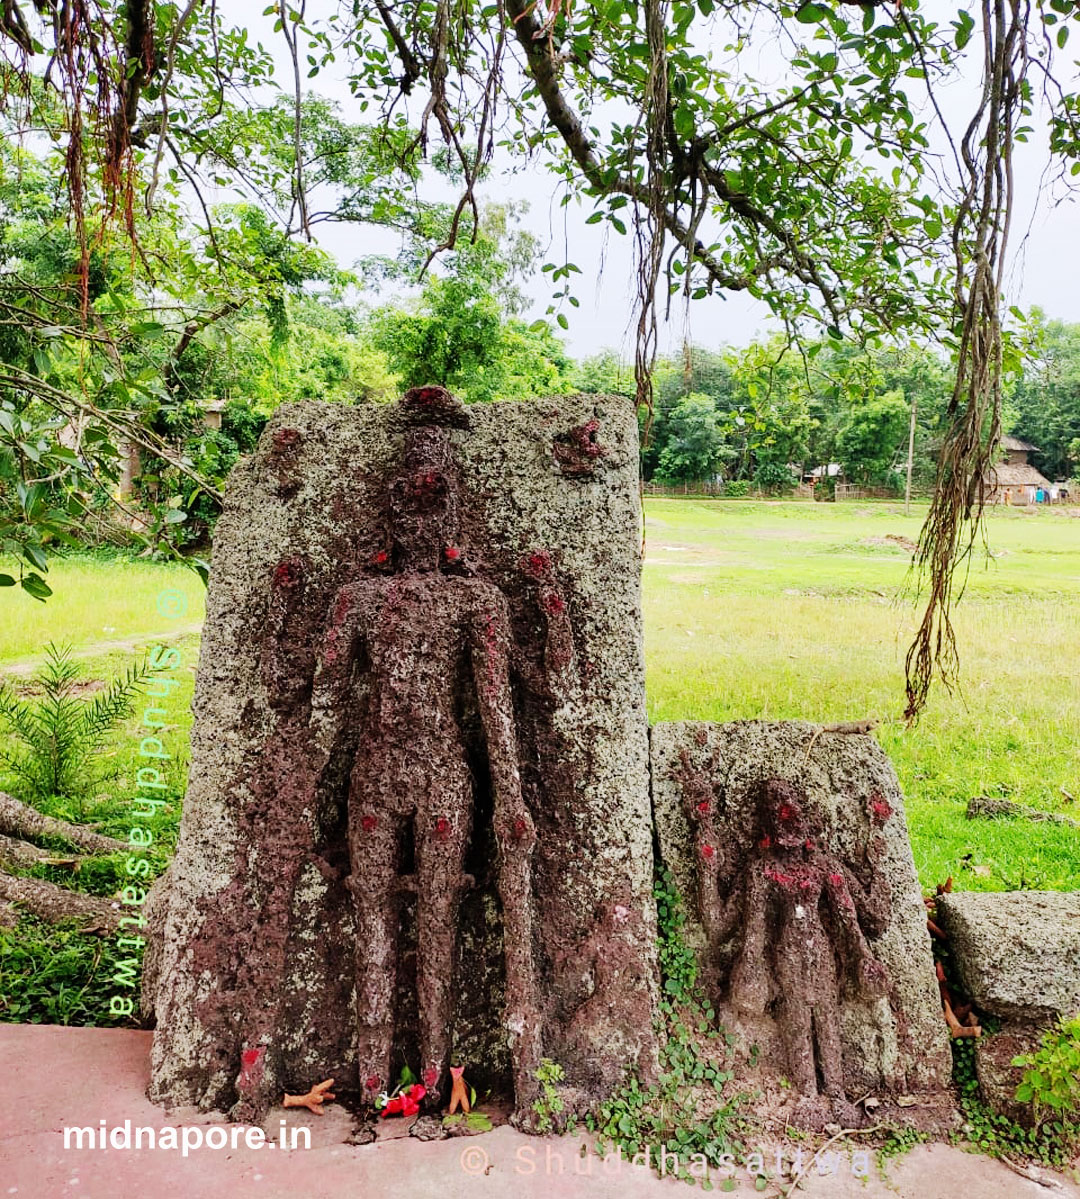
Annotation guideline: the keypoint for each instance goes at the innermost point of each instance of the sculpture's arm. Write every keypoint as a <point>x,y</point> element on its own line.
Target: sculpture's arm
<point>872,900</point>
<point>842,900</point>
<point>337,649</point>
<point>730,908</point>
<point>489,645</point>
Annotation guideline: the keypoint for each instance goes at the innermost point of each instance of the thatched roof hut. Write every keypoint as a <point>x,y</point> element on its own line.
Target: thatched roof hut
<point>1015,481</point>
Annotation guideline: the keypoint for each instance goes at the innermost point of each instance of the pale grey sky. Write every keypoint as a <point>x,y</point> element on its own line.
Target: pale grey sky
<point>1045,239</point>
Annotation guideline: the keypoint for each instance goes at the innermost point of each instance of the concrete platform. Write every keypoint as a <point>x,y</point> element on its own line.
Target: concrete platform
<point>54,1078</point>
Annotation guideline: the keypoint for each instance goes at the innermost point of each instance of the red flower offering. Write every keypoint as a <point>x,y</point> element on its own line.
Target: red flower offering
<point>407,1103</point>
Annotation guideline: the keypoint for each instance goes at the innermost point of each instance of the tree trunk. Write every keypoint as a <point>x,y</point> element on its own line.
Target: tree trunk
<point>14,852</point>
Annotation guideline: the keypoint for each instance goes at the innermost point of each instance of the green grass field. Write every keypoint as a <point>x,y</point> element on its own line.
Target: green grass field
<point>752,610</point>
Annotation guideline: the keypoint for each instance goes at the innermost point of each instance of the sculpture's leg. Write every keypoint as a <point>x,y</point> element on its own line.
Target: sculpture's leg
<point>831,1060</point>
<point>374,851</point>
<point>441,837</point>
<point>796,1028</point>
<point>515,838</point>
<point>830,1051</point>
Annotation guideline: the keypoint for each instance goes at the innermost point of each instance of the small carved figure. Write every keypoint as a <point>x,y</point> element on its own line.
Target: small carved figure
<point>399,650</point>
<point>802,917</point>
<point>459,1091</point>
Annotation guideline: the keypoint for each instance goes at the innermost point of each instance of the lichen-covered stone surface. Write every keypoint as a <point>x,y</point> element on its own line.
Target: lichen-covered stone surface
<point>417,826</point>
<point>1017,952</point>
<point>792,857</point>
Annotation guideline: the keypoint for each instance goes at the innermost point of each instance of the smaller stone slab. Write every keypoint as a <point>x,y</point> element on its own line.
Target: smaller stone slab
<point>1017,952</point>
<point>832,932</point>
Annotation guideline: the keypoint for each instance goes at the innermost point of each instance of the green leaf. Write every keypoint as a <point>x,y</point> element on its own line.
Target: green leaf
<point>6,581</point>
<point>811,14</point>
<point>35,585</point>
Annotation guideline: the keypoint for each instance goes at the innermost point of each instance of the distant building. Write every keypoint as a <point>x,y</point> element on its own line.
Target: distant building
<point>1016,481</point>
<point>832,470</point>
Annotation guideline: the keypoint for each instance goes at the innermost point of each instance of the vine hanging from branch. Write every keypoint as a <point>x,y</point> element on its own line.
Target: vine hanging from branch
<point>979,237</point>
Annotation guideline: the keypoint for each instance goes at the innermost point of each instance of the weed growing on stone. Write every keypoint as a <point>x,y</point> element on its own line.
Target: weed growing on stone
<point>1052,1142</point>
<point>548,1107</point>
<point>689,1115</point>
<point>1052,1077</point>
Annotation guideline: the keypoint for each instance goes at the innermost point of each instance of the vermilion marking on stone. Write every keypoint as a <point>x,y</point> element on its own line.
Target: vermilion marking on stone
<point>452,553</point>
<point>703,807</point>
<point>367,823</point>
<point>553,603</point>
<point>431,1076</point>
<point>250,1056</point>
<point>881,809</point>
<point>707,851</point>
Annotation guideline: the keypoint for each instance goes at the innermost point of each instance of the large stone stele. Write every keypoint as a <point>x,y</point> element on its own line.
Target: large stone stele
<point>254,988</point>
<point>795,938</point>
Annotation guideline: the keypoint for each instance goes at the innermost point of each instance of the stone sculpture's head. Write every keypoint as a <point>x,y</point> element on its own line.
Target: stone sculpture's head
<point>424,503</point>
<point>783,814</point>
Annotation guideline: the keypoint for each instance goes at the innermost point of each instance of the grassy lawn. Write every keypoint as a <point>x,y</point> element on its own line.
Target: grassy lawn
<point>108,611</point>
<point>100,599</point>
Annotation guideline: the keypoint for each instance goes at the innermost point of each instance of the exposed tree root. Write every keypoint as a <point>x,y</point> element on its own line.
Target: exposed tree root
<point>15,852</point>
<point>53,903</point>
<point>20,820</point>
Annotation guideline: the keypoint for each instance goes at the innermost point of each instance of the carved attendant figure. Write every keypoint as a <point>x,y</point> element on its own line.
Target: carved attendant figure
<point>803,917</point>
<point>397,653</point>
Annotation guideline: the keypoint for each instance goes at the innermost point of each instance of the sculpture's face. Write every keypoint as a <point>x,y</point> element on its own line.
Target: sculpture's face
<point>423,518</point>
<point>784,819</point>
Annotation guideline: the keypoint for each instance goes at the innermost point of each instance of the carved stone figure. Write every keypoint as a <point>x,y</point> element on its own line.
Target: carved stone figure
<point>804,909</point>
<point>399,652</point>
<point>800,916</point>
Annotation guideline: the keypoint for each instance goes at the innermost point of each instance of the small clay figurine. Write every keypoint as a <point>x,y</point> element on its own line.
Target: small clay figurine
<point>459,1092</point>
<point>313,1100</point>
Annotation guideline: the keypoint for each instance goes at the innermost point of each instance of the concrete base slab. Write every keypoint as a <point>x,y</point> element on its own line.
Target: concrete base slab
<point>56,1078</point>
